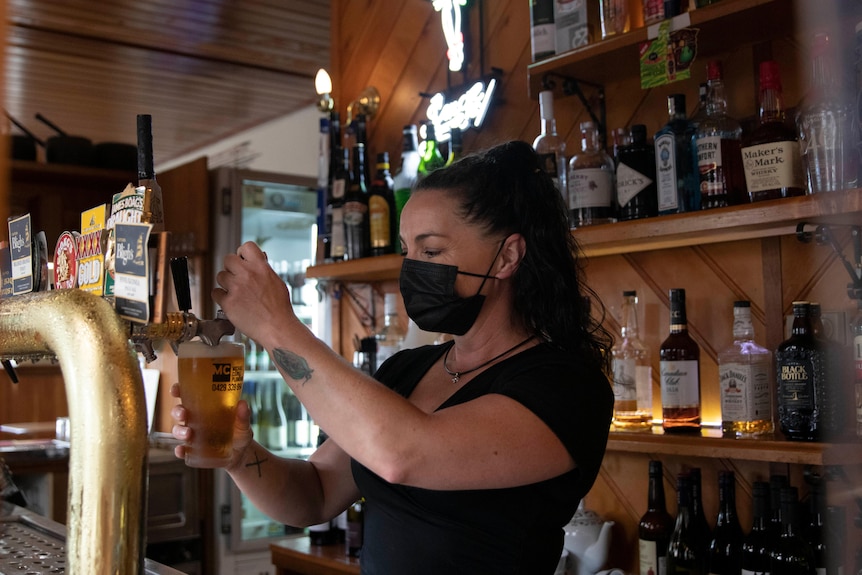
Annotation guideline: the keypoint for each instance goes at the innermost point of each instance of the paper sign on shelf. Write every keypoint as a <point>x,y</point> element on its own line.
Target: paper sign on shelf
<point>668,57</point>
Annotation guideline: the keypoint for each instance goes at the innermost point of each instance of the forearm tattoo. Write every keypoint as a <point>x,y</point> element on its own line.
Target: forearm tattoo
<point>257,463</point>
<point>293,365</point>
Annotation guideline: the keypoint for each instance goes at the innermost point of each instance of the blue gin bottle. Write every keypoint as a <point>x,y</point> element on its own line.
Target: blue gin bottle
<point>676,177</point>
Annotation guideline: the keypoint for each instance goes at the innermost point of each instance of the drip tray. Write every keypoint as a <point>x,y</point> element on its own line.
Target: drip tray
<point>27,548</point>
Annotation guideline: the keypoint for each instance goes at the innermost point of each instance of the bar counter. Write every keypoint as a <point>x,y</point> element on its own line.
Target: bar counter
<point>297,556</point>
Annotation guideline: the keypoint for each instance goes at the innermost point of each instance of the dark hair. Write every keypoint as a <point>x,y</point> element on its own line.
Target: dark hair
<point>503,191</point>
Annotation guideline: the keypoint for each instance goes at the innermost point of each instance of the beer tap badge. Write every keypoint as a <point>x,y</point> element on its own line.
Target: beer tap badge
<point>21,249</point>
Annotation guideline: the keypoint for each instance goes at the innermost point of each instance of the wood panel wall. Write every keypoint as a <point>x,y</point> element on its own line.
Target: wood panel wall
<point>398,47</point>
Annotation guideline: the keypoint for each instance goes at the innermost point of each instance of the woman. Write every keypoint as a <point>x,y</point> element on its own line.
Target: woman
<point>481,454</point>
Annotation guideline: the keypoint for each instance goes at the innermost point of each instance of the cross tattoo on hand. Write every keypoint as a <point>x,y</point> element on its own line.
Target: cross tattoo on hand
<point>257,461</point>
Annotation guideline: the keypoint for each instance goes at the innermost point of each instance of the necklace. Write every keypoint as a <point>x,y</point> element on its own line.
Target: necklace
<point>456,375</point>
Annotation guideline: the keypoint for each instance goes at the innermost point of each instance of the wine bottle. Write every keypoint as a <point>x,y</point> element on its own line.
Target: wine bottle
<point>801,374</point>
<point>632,372</point>
<point>675,174</point>
<point>815,529</point>
<point>273,421</point>
<point>655,526</point>
<point>744,380</point>
<point>321,534</point>
<point>381,209</point>
<point>777,482</point>
<point>725,548</point>
<point>685,549</point>
<point>550,147</point>
<point>153,212</point>
<point>679,363</point>
<point>636,185</point>
<point>700,525</point>
<point>591,181</point>
<point>431,159</point>
<point>792,555</point>
<point>770,155</point>
<point>355,528</point>
<point>755,545</point>
<point>405,178</point>
<point>356,229</point>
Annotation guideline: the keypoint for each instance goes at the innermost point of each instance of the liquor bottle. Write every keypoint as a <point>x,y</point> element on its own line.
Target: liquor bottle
<point>831,396</point>
<point>636,186</point>
<point>456,146</point>
<point>725,548</point>
<point>432,158</point>
<point>744,380</point>
<point>679,363</point>
<point>406,176</point>
<point>717,137</point>
<point>770,155</point>
<point>541,29</point>
<point>272,420</point>
<point>390,339</point>
<point>356,224</point>
<point>590,181</point>
<point>825,126</point>
<point>675,174</point>
<point>792,555</point>
<point>321,534</point>
<point>857,365</point>
<point>632,372</point>
<point>323,217</point>
<point>153,212</point>
<point>756,544</point>
<point>699,114</point>
<point>550,147</point>
<point>800,373</point>
<point>615,17</point>
<point>335,207</point>
<point>381,209</point>
<point>655,526</point>
<point>355,528</point>
<point>685,549</point>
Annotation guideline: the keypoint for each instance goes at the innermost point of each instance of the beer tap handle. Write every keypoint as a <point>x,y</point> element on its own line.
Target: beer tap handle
<point>211,331</point>
<point>180,271</point>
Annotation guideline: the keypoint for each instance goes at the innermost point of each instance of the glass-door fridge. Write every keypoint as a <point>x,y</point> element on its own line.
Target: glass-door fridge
<point>279,213</point>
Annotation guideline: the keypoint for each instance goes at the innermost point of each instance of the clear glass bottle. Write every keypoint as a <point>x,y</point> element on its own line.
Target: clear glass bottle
<point>615,17</point>
<point>755,545</point>
<point>432,158</point>
<point>825,125</point>
<point>381,209</point>
<point>716,141</point>
<point>591,181</point>
<point>272,420</point>
<point>770,155</point>
<point>680,372</point>
<point>725,548</point>
<point>632,372</point>
<point>655,526</point>
<point>406,176</point>
<point>549,146</point>
<point>636,180</point>
<point>356,223</point>
<point>793,554</point>
<point>800,374</point>
<point>390,338</point>
<point>674,161</point>
<point>744,380</point>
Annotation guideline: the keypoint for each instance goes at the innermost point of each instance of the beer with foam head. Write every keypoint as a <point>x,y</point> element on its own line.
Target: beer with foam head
<point>210,387</point>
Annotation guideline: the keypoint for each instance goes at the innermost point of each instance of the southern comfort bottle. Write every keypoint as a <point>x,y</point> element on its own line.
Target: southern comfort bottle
<point>679,363</point>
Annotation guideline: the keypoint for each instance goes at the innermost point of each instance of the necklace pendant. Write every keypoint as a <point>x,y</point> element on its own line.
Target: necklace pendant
<point>456,377</point>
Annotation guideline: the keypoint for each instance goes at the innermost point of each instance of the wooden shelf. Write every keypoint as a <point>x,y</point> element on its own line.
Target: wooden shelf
<point>725,23</point>
<point>710,444</point>
<point>758,220</point>
<point>62,174</point>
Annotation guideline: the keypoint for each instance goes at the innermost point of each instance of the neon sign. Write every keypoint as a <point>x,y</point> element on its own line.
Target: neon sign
<point>466,111</point>
<point>450,18</point>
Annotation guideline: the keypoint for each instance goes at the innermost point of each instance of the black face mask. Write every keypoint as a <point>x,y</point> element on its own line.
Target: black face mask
<point>428,290</point>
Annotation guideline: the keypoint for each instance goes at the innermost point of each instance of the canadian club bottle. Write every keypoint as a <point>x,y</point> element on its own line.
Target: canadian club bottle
<point>685,549</point>
<point>725,548</point>
<point>755,545</point>
<point>356,228</point>
<point>679,363</point>
<point>792,555</point>
<point>655,526</point>
<point>800,367</point>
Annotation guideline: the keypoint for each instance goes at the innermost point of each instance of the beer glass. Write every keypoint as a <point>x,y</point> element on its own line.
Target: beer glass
<point>210,386</point>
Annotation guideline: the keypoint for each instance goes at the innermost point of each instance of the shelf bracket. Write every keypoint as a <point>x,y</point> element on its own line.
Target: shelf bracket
<point>823,235</point>
<point>595,108</point>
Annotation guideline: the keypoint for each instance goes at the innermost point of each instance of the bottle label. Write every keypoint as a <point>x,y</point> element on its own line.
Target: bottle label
<point>590,188</point>
<point>771,166</point>
<point>630,182</point>
<point>542,40</point>
<point>338,187</point>
<point>337,247</point>
<point>378,222</point>
<point>649,560</point>
<point>680,384</point>
<point>625,382</point>
<point>744,391</point>
<point>354,213</point>
<point>709,165</point>
<point>665,169</point>
<point>796,384</point>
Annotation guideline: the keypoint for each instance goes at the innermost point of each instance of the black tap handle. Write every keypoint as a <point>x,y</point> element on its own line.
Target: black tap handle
<point>180,271</point>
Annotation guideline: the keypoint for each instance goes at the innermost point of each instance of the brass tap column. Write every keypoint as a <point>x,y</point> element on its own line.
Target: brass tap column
<point>107,412</point>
